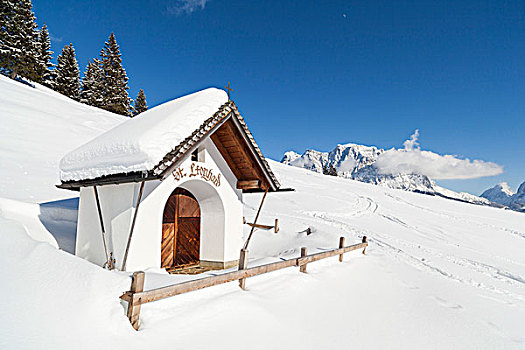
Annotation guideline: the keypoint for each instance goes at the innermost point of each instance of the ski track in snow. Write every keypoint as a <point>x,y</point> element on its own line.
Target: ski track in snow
<point>456,218</point>
<point>397,248</point>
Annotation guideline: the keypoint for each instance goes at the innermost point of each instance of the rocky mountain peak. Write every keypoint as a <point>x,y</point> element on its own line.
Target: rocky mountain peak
<point>521,189</point>
<point>357,162</point>
<point>500,193</point>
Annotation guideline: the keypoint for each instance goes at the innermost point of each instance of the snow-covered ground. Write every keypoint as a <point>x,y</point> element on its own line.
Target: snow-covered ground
<point>438,274</point>
<point>38,127</point>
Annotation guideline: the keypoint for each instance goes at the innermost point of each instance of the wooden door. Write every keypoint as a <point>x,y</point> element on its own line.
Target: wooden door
<point>180,230</point>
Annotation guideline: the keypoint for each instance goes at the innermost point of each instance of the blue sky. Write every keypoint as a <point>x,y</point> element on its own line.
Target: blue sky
<point>311,74</point>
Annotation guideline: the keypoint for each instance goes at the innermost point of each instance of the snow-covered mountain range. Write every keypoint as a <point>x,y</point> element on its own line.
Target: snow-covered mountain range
<point>502,194</point>
<point>357,162</point>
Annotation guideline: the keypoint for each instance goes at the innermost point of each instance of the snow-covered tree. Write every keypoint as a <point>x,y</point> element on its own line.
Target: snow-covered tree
<point>67,74</point>
<point>140,103</point>
<point>44,65</point>
<point>19,44</point>
<point>10,60</point>
<point>116,98</point>
<point>92,91</point>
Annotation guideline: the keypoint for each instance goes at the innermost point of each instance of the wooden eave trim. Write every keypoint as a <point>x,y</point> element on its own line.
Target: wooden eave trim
<point>196,145</point>
<point>115,179</point>
<point>172,159</point>
<point>258,190</point>
<point>248,184</point>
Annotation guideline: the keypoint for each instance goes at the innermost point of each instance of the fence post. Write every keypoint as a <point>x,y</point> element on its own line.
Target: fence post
<point>243,264</point>
<point>304,252</point>
<point>137,285</point>
<point>276,227</point>
<point>341,245</point>
<point>364,241</point>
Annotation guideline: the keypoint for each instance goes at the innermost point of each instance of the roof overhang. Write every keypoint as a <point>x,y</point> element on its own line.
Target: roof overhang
<point>173,159</point>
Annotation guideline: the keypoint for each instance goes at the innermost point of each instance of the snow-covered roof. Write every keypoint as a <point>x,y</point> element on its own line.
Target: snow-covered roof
<point>154,141</point>
<point>140,143</point>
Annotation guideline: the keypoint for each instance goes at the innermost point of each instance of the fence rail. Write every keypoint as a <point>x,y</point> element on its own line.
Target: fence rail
<point>137,296</point>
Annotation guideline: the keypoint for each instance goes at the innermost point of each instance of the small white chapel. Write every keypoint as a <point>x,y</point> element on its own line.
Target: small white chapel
<point>165,189</point>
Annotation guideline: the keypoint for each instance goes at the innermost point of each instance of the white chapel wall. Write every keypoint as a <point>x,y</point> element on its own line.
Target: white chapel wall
<point>234,210</point>
<point>116,202</point>
<point>221,234</point>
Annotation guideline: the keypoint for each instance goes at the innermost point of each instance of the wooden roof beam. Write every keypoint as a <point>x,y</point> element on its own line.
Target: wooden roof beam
<point>226,155</point>
<point>248,184</point>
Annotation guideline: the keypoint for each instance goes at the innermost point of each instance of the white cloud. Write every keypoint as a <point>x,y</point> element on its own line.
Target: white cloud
<point>412,143</point>
<point>411,159</point>
<point>347,165</point>
<point>180,7</point>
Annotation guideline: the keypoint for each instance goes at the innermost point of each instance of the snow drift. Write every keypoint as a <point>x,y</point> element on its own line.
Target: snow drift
<point>39,126</point>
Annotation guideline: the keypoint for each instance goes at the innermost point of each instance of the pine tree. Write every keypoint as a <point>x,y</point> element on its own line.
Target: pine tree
<point>329,170</point>
<point>44,72</point>
<point>332,171</point>
<point>19,44</point>
<point>140,103</point>
<point>67,80</point>
<point>116,98</point>
<point>92,91</point>
<point>9,35</point>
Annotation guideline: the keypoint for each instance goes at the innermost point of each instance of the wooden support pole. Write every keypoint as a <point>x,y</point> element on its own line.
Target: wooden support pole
<point>255,221</point>
<point>276,227</point>
<point>99,208</point>
<point>341,245</point>
<point>243,264</point>
<point>123,267</point>
<point>364,241</point>
<point>304,252</point>
<point>137,286</point>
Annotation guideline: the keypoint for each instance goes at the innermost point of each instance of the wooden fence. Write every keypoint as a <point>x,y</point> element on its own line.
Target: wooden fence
<point>136,296</point>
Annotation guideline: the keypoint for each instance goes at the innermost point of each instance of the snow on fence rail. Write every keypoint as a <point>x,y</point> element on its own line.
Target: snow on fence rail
<point>136,296</point>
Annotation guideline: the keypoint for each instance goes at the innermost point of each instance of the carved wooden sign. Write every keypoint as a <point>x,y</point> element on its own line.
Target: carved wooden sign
<point>198,170</point>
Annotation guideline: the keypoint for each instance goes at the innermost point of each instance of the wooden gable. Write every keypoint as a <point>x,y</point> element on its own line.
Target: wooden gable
<point>235,150</point>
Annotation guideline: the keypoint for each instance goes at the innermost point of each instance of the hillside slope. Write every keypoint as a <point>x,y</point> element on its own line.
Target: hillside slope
<point>438,274</point>
<point>39,126</point>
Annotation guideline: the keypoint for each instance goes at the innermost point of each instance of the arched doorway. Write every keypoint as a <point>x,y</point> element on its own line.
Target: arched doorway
<point>180,230</point>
